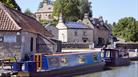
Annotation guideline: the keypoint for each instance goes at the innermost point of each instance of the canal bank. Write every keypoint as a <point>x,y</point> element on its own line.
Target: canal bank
<point>125,71</point>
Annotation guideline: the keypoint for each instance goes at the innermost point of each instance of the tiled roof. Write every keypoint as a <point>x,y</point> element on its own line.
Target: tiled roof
<point>3,22</point>
<point>13,20</point>
<point>76,25</point>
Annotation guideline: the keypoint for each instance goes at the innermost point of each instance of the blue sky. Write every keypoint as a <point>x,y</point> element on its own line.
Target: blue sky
<point>111,10</point>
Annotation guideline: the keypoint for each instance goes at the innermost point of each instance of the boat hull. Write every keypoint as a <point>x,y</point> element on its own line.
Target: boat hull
<point>68,71</point>
<point>119,62</point>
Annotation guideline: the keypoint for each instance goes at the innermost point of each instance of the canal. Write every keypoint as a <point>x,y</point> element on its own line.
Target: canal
<point>125,71</point>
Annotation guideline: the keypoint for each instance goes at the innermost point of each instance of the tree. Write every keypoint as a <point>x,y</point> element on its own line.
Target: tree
<point>11,3</point>
<point>28,12</point>
<point>85,7</point>
<point>126,28</point>
<point>72,10</point>
<point>69,9</point>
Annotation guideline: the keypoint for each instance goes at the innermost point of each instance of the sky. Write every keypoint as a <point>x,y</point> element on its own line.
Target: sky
<point>111,10</point>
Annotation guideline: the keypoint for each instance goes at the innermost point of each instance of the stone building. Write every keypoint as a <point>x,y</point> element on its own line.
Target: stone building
<point>102,30</point>
<point>45,13</point>
<point>74,33</point>
<point>22,35</point>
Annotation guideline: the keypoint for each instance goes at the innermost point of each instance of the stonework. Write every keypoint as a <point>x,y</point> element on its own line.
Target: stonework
<point>19,35</point>
<point>45,13</point>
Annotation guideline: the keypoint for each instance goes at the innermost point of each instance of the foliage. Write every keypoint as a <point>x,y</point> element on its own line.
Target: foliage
<point>11,3</point>
<point>44,22</point>
<point>72,10</point>
<point>126,28</point>
<point>85,7</point>
<point>28,12</point>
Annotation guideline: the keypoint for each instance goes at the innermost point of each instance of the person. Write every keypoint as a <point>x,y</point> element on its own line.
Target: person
<point>26,57</point>
<point>104,47</point>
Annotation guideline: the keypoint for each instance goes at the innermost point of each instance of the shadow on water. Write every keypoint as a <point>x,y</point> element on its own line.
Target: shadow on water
<point>83,72</point>
<point>123,71</point>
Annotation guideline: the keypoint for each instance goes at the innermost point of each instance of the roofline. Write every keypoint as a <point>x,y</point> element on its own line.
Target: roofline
<point>43,12</point>
<point>76,28</point>
<point>10,30</point>
<point>5,9</point>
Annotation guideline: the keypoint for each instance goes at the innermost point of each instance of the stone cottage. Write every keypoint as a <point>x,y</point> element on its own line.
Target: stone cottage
<point>74,33</point>
<point>21,35</point>
<point>101,29</point>
<point>45,13</point>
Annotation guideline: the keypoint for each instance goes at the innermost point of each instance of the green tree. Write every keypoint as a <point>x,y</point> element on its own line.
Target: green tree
<point>126,28</point>
<point>11,3</point>
<point>84,7</point>
<point>28,12</point>
<point>69,9</point>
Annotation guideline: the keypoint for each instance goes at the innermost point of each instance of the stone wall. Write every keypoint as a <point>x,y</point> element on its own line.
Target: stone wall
<point>10,49</point>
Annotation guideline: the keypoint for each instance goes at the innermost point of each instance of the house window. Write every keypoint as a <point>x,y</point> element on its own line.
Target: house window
<point>9,38</point>
<point>49,8</point>
<point>50,16</point>
<point>75,33</point>
<point>63,37</point>
<point>84,33</point>
<point>1,39</point>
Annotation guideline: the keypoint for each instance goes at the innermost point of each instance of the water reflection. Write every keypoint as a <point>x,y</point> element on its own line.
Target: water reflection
<point>126,71</point>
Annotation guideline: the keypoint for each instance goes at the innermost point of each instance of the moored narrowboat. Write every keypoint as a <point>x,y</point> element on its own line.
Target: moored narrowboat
<point>66,64</point>
<point>116,57</point>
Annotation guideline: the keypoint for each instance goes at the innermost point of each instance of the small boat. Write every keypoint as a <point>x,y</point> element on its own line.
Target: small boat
<point>67,64</point>
<point>116,57</point>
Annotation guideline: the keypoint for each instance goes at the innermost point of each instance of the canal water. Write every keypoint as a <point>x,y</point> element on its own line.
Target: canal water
<point>124,71</point>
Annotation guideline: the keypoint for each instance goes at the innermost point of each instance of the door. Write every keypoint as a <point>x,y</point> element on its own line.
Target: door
<point>31,44</point>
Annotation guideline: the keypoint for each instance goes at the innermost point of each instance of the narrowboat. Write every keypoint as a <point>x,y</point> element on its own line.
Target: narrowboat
<point>116,57</point>
<point>66,64</point>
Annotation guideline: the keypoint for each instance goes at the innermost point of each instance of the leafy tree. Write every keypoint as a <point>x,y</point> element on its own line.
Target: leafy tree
<point>126,28</point>
<point>11,3</point>
<point>28,12</point>
<point>72,9</point>
<point>69,9</point>
<point>85,7</point>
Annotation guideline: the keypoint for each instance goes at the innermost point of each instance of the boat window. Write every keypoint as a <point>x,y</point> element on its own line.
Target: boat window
<point>81,59</point>
<point>64,61</point>
<point>53,62</point>
<point>107,53</point>
<point>95,57</point>
<point>102,54</point>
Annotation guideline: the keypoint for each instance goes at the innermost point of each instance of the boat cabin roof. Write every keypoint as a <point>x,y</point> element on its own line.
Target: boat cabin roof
<point>111,49</point>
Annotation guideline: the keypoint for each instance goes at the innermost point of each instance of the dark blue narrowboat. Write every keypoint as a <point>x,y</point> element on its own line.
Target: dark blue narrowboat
<point>116,57</point>
<point>66,64</point>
